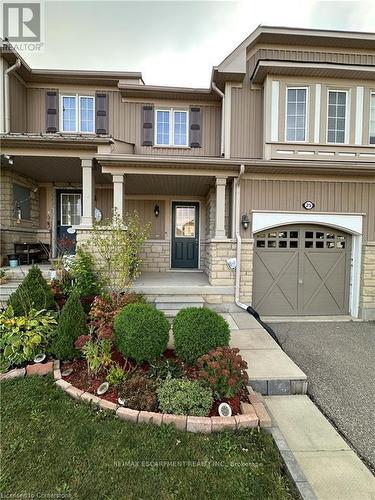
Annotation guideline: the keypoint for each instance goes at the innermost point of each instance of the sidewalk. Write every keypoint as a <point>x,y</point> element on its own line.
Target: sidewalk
<point>331,467</point>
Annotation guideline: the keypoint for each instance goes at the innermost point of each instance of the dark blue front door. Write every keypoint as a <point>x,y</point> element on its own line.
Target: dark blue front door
<point>185,235</point>
<point>68,212</point>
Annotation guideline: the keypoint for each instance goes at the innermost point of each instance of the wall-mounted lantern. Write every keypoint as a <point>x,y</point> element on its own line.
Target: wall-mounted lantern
<point>156,210</point>
<point>245,221</point>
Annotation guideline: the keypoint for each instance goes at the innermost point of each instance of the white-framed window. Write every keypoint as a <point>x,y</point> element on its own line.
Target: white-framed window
<point>337,116</point>
<point>171,127</point>
<point>372,118</point>
<point>71,209</point>
<point>77,114</point>
<point>296,114</point>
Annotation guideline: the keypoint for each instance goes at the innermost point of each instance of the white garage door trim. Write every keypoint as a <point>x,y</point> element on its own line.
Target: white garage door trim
<point>346,222</point>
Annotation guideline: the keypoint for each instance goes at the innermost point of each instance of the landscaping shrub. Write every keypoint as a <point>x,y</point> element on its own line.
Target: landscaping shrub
<point>165,368</point>
<point>33,293</point>
<point>71,324</point>
<point>139,393</point>
<point>98,355</point>
<point>83,278</point>
<point>196,331</point>
<point>116,375</point>
<point>105,307</point>
<point>224,370</point>
<point>23,337</point>
<point>185,397</point>
<point>141,332</point>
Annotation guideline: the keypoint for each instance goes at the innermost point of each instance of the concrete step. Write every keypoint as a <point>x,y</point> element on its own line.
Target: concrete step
<point>171,304</point>
<point>170,299</point>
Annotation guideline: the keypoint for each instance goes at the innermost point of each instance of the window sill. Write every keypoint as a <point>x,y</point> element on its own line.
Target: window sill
<point>157,146</point>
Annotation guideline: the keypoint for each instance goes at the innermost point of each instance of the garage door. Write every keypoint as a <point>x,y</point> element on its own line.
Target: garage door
<point>301,270</point>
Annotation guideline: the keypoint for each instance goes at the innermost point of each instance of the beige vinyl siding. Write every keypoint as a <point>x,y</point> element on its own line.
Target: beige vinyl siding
<point>36,120</point>
<point>125,124</point>
<point>321,55</point>
<point>144,209</point>
<point>247,122</point>
<point>18,100</point>
<point>328,196</point>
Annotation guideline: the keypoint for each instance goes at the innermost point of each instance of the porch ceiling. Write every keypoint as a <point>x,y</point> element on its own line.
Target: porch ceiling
<point>53,169</point>
<point>182,185</point>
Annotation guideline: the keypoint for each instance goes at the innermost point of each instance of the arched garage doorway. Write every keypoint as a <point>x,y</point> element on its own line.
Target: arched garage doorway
<point>301,269</point>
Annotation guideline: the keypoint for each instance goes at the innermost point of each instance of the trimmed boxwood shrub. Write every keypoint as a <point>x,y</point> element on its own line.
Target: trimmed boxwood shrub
<point>33,293</point>
<point>71,324</point>
<point>185,397</point>
<point>198,330</point>
<point>141,332</point>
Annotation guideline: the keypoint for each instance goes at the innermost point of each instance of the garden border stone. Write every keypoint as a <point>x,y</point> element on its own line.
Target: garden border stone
<point>15,373</point>
<point>181,422</point>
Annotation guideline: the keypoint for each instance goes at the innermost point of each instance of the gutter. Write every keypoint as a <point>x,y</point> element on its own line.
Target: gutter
<point>10,70</point>
<point>216,89</point>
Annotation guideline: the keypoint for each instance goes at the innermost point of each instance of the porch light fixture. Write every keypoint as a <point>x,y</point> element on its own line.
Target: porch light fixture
<point>245,221</point>
<point>156,210</point>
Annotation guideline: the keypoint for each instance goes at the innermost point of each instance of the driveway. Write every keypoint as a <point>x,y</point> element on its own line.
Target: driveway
<point>339,361</point>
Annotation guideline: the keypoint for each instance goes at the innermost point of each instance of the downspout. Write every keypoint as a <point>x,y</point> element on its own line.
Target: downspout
<point>247,308</point>
<point>238,238</point>
<point>10,70</point>
<point>216,89</point>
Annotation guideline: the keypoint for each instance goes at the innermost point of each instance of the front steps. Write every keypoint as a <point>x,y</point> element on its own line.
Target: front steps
<point>15,276</point>
<point>171,304</point>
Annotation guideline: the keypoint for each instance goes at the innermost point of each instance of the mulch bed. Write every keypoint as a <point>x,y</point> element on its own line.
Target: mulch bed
<point>82,380</point>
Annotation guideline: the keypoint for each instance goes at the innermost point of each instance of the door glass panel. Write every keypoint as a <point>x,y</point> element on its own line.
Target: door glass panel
<point>185,222</point>
<point>70,209</point>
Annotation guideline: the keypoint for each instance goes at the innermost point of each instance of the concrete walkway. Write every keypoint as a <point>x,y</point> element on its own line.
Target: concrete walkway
<point>331,467</point>
<point>270,371</point>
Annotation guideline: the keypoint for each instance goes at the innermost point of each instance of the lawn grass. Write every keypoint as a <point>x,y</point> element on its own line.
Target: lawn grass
<point>52,445</point>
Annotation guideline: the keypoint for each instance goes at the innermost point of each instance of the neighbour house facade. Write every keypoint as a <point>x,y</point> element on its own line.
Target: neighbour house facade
<point>273,165</point>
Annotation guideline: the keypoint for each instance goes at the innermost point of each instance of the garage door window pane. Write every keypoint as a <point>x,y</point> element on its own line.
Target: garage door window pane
<point>309,244</point>
<point>261,243</point>
<point>319,244</point>
<point>271,244</point>
<point>293,244</point>
<point>340,244</point>
<point>283,244</point>
<point>294,234</point>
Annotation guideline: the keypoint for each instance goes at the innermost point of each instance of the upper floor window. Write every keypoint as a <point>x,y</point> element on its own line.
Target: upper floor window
<point>337,116</point>
<point>296,114</point>
<point>171,127</point>
<point>372,118</point>
<point>77,114</point>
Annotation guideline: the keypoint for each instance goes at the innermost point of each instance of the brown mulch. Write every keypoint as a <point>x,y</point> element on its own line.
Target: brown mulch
<point>81,379</point>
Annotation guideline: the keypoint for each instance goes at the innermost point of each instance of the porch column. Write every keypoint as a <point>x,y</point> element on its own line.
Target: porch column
<point>88,193</point>
<point>220,208</point>
<point>118,195</point>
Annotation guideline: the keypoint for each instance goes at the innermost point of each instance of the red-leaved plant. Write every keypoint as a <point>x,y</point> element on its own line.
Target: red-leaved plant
<point>224,370</point>
<point>104,309</point>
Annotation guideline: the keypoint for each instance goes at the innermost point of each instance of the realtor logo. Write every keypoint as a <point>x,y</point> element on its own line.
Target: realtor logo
<point>21,22</point>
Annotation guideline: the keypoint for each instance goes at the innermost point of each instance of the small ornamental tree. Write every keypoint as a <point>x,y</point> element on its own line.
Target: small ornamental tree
<point>117,244</point>
<point>71,324</point>
<point>33,293</point>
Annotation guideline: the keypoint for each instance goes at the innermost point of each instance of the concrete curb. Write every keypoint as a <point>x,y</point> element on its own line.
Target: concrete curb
<point>294,470</point>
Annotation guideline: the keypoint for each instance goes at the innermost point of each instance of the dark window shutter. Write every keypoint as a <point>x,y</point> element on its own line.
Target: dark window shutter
<point>101,113</point>
<point>147,125</point>
<point>52,111</point>
<point>195,127</point>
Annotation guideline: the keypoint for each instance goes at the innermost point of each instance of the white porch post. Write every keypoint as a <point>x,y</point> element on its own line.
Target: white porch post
<point>88,193</point>
<point>118,195</point>
<point>220,208</point>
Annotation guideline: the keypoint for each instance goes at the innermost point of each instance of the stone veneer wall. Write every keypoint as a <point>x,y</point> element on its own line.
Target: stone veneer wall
<point>218,251</point>
<point>367,310</point>
<point>26,230</point>
<point>156,256</point>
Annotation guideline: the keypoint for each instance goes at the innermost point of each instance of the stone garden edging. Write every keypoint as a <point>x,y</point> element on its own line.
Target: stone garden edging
<point>254,413</point>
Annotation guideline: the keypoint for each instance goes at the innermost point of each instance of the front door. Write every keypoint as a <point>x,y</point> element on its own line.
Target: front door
<point>185,235</point>
<point>68,211</point>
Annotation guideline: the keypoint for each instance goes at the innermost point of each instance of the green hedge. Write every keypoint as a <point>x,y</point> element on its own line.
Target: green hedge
<point>141,332</point>
<point>198,330</point>
<point>33,293</point>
